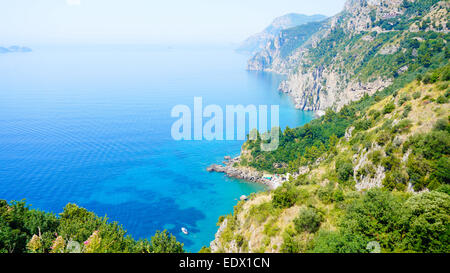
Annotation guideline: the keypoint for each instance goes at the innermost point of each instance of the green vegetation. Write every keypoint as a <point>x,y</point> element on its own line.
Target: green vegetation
<point>285,196</point>
<point>75,230</point>
<point>398,223</point>
<point>322,210</point>
<point>294,37</point>
<point>305,145</point>
<point>309,219</point>
<point>429,165</point>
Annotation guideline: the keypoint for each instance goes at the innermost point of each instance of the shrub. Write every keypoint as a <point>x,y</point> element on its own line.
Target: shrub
<point>432,145</point>
<point>390,162</point>
<point>395,179</point>
<point>428,223</point>
<point>164,242</point>
<point>441,125</point>
<point>363,125</point>
<point>389,108</point>
<point>205,249</point>
<point>239,240</point>
<point>338,195</point>
<point>416,95</point>
<point>325,194</point>
<point>367,170</point>
<point>402,127</point>
<point>220,221</point>
<point>376,115</point>
<point>290,244</point>
<point>442,170</point>
<point>404,98</point>
<point>339,242</point>
<point>375,157</point>
<point>430,78</point>
<point>407,110</point>
<point>285,196</point>
<point>308,219</point>
<point>418,168</point>
<point>444,189</point>
<point>443,86</point>
<point>377,213</point>
<point>442,100</point>
<point>445,76</point>
<point>383,138</point>
<point>344,169</point>
<point>20,226</point>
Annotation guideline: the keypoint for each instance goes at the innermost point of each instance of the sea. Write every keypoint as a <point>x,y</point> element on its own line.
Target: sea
<point>91,125</point>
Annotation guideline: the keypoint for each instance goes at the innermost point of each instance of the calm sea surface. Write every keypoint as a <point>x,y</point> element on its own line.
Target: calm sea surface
<point>91,125</point>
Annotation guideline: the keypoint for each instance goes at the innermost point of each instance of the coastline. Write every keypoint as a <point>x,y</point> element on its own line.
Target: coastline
<point>230,167</point>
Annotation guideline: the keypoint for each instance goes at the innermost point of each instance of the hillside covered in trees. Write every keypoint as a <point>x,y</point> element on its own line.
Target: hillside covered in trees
<point>375,174</point>
<point>75,230</point>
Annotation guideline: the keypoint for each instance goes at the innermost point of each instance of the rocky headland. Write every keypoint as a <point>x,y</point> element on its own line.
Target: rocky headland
<point>231,167</point>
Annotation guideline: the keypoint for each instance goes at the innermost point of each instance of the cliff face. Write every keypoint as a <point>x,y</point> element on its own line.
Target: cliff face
<point>329,63</point>
<point>321,88</point>
<point>282,53</point>
<point>259,40</point>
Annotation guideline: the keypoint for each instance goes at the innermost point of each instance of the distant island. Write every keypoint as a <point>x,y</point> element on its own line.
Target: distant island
<point>14,49</point>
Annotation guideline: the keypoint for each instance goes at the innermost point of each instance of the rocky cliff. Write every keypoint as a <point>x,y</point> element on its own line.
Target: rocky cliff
<point>259,40</point>
<point>359,51</point>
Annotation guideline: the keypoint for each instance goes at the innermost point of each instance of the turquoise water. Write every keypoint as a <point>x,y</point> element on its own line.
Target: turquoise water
<point>91,125</point>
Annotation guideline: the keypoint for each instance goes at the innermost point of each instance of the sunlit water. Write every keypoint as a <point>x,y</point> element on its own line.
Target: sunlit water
<point>91,125</point>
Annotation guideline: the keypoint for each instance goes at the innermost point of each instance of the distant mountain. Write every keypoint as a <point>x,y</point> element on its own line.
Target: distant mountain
<point>359,51</point>
<point>259,41</point>
<point>14,48</point>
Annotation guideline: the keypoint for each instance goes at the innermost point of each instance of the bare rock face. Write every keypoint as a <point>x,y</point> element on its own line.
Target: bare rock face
<point>348,133</point>
<point>215,245</point>
<point>363,12</point>
<point>320,88</point>
<point>368,180</point>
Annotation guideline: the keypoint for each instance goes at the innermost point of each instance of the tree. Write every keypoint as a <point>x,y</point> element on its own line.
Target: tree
<point>344,169</point>
<point>285,196</point>
<point>338,242</point>
<point>164,242</point>
<point>28,230</point>
<point>442,170</point>
<point>429,223</point>
<point>308,219</point>
<point>377,216</point>
<point>388,108</point>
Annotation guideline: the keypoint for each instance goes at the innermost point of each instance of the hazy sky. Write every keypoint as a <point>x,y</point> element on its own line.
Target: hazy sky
<point>145,21</point>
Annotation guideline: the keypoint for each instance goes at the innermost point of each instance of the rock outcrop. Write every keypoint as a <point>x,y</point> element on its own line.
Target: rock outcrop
<point>232,168</point>
<point>316,82</point>
<point>321,88</point>
<point>260,40</point>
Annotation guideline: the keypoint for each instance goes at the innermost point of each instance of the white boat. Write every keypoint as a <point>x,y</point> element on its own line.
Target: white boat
<point>184,230</point>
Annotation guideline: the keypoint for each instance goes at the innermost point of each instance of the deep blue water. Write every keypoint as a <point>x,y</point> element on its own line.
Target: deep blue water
<point>91,125</point>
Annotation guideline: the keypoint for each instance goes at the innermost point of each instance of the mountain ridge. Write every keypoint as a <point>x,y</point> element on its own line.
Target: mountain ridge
<point>366,31</point>
<point>259,40</point>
